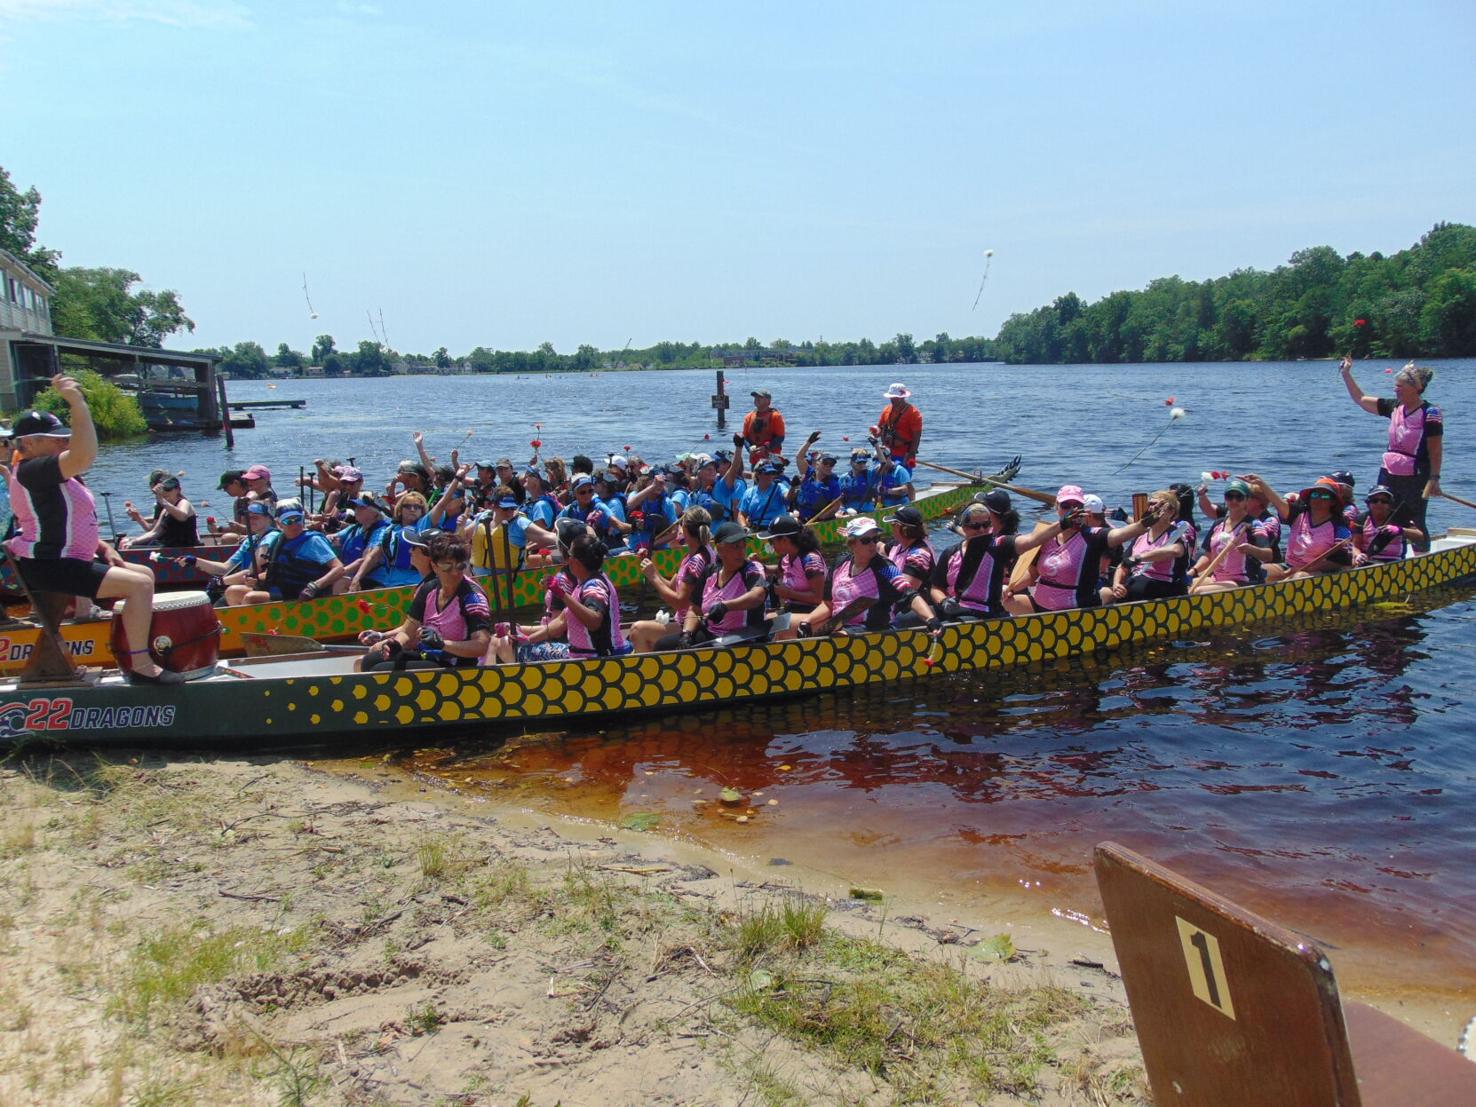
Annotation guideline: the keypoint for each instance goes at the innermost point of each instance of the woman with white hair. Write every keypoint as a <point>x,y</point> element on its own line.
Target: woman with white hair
<point>1411,464</point>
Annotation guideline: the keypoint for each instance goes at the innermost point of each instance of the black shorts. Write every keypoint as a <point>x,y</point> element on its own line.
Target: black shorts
<point>69,576</point>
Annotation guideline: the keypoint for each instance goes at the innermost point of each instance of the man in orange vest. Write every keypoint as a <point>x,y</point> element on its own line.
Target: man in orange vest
<point>899,427</point>
<point>763,428</point>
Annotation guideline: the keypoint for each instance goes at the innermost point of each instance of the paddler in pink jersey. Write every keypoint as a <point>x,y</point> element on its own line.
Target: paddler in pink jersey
<point>1065,570</point>
<point>1155,564</point>
<point>1318,536</point>
<point>1411,464</point>
<point>799,578</point>
<point>1375,536</point>
<point>678,592</point>
<point>1238,528</point>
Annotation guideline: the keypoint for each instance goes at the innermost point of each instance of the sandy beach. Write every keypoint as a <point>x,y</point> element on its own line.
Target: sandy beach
<point>258,931</point>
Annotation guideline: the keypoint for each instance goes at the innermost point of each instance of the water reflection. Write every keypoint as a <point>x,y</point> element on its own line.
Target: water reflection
<point>1311,774</point>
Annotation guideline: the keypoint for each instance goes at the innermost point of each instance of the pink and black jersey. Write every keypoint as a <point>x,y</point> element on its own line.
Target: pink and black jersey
<point>691,571</point>
<point>55,516</point>
<point>465,613</point>
<point>795,573</point>
<point>1380,543</point>
<point>914,562</point>
<point>605,640</point>
<point>1308,544</point>
<point>1167,571</point>
<point>1408,454</point>
<point>975,571</point>
<point>714,591</point>
<point>878,581</point>
<point>1068,570</point>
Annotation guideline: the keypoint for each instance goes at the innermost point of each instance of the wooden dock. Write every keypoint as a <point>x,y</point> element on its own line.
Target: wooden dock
<point>247,405</point>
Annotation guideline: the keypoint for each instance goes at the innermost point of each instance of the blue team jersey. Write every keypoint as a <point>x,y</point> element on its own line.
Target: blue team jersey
<point>762,506</point>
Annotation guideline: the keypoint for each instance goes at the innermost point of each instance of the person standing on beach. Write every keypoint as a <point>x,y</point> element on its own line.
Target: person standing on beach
<point>1411,464</point>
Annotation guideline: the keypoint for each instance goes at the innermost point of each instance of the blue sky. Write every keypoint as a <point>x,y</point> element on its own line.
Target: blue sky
<point>501,175</point>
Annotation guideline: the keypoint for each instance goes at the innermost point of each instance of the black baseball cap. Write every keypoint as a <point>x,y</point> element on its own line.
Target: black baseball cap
<point>41,423</point>
<point>996,500</point>
<point>786,526</point>
<point>906,515</point>
<point>729,532</point>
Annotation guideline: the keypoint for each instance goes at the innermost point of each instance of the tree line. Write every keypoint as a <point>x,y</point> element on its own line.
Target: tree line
<point>1417,302</point>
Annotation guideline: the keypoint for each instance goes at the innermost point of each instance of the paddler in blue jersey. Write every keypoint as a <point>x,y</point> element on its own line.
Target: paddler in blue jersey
<point>767,499</point>
<point>858,486</point>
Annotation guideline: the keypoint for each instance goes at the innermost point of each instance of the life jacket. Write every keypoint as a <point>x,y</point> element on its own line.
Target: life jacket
<point>980,590</point>
<point>1406,434</point>
<point>543,511</point>
<point>606,640</point>
<point>498,552</point>
<point>770,504</point>
<point>396,554</point>
<point>355,540</point>
<point>286,570</point>
<point>858,491</point>
<point>1382,543</point>
<point>901,430</point>
<point>813,495</point>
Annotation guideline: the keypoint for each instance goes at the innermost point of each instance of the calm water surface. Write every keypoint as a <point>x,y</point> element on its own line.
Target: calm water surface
<point>1321,773</point>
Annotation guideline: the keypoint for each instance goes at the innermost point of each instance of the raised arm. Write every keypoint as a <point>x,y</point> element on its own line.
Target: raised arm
<point>81,449</point>
<point>1368,403</point>
<point>1269,495</point>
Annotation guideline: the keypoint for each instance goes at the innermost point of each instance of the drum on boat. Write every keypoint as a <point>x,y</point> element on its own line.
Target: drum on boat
<point>184,634</point>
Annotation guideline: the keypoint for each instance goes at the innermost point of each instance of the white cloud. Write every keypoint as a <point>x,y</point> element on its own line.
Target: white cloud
<point>226,15</point>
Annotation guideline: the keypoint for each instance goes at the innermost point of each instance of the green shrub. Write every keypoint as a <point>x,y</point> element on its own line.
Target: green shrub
<point>115,413</point>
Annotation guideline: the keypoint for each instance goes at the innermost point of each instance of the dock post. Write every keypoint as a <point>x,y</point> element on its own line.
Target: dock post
<point>720,402</point>
<point>225,413</point>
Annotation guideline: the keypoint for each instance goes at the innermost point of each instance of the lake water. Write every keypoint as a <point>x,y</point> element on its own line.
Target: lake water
<point>1321,773</point>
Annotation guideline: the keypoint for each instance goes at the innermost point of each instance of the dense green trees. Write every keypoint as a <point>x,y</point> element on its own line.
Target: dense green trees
<point>1320,304</point>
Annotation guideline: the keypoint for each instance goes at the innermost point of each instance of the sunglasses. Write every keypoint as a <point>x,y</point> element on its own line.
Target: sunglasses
<point>866,540</point>
<point>584,491</point>
<point>1380,500</point>
<point>983,524</point>
<point>1234,495</point>
<point>1320,496</point>
<point>450,566</point>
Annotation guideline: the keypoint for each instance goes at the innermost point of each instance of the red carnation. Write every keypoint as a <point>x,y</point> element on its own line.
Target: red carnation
<point>537,442</point>
<point>1360,322</point>
<point>366,607</point>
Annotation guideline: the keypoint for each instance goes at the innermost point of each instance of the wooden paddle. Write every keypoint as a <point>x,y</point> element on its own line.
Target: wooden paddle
<point>825,512</point>
<point>1318,561</point>
<point>1457,499</point>
<point>1028,493</point>
<point>275,645</point>
<point>665,536</point>
<point>1209,570</point>
<point>1020,576</point>
<point>840,618</point>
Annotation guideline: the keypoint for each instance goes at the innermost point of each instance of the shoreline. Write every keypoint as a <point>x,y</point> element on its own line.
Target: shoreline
<point>264,930</point>
<point>261,931</point>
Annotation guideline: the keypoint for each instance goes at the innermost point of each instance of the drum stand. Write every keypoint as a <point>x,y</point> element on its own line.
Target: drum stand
<point>49,663</point>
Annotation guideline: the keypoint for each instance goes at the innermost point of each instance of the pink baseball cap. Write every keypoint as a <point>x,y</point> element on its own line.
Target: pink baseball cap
<point>257,472</point>
<point>1070,493</point>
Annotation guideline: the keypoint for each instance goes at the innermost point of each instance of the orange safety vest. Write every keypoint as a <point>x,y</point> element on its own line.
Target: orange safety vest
<point>901,431</point>
<point>760,430</point>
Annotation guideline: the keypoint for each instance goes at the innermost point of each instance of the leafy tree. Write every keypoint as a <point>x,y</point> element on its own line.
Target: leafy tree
<point>20,213</point>
<point>99,304</point>
<point>371,360</point>
<point>322,347</point>
<point>288,358</point>
<point>245,360</point>
<point>442,358</point>
<point>1448,319</point>
<point>115,413</point>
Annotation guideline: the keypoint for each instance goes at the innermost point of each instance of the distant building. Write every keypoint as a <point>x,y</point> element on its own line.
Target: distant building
<point>176,390</point>
<point>25,308</point>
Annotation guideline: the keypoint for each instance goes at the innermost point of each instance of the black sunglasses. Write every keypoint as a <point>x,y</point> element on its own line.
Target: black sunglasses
<point>868,540</point>
<point>983,524</point>
<point>584,491</point>
<point>1234,495</point>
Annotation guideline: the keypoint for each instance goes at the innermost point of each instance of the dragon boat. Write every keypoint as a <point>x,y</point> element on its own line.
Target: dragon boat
<point>341,618</point>
<point>311,698</point>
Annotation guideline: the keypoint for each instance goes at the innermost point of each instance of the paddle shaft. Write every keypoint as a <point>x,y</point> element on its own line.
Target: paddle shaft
<point>1029,493</point>
<point>1209,570</point>
<point>825,512</point>
<point>1457,499</point>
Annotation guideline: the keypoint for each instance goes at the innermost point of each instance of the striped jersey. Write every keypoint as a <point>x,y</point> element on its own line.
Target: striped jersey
<point>55,517</point>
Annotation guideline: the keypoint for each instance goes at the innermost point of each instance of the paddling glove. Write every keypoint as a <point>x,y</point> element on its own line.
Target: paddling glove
<point>717,612</point>
<point>430,639</point>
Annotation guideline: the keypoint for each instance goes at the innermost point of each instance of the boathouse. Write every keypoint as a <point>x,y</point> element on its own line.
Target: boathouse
<point>177,390</point>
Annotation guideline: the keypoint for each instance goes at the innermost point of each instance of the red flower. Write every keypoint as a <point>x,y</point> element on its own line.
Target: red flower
<point>1360,322</point>
<point>627,447</point>
<point>537,442</point>
<point>366,607</point>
